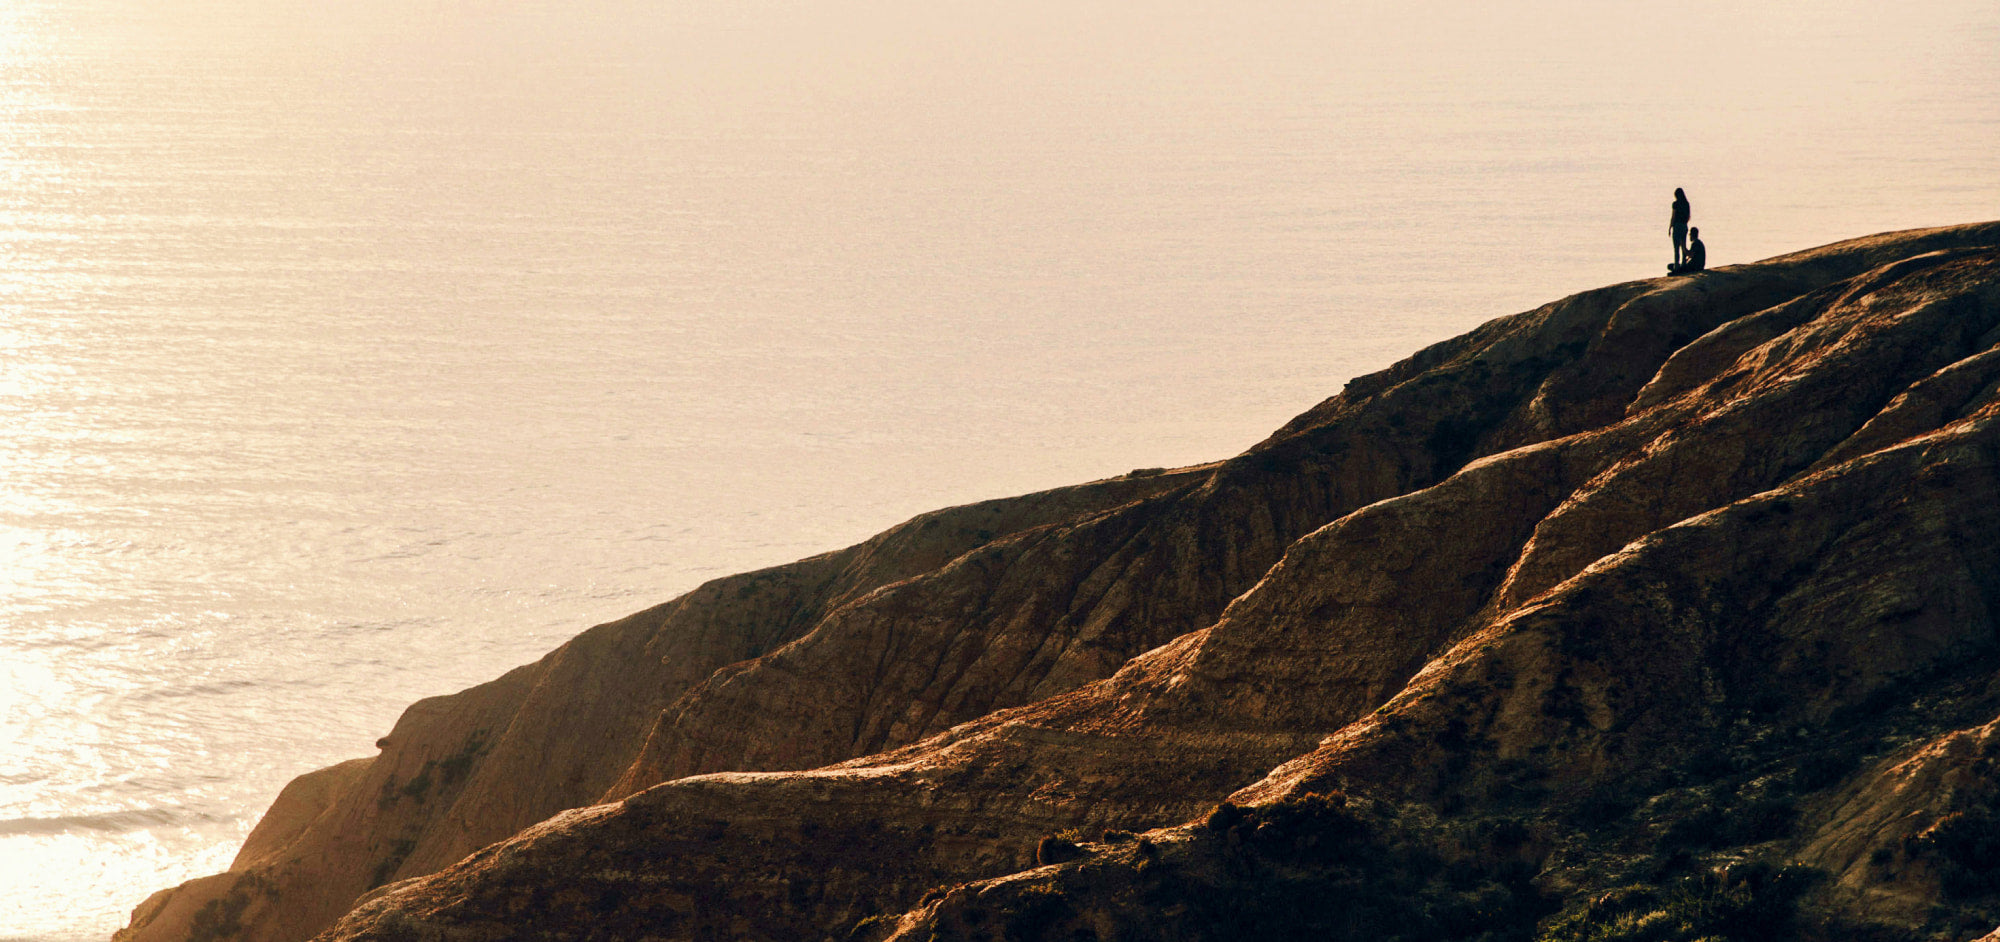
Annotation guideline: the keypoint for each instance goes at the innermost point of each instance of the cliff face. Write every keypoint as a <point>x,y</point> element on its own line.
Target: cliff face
<point>1662,576</point>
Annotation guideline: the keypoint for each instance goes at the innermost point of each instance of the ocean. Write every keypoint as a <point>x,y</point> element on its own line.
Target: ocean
<point>355,353</point>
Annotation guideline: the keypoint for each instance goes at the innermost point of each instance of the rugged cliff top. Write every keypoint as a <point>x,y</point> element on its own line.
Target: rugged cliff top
<point>1663,611</point>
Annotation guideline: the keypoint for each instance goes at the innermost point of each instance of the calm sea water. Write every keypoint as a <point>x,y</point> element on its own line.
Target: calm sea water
<point>353,353</point>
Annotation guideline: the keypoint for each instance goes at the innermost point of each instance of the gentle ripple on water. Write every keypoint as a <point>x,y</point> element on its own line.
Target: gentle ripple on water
<point>354,353</point>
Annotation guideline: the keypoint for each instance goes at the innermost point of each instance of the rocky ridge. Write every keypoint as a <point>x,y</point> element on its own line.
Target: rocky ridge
<point>1670,599</point>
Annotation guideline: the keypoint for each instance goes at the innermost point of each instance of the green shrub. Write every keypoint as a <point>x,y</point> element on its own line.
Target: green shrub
<point>1314,868</point>
<point>1507,834</point>
<point>1054,849</point>
<point>456,766</point>
<point>1707,826</point>
<point>1822,769</point>
<point>1965,848</point>
<point>1752,903</point>
<point>386,867</point>
<point>218,919</point>
<point>1035,913</point>
<point>419,787</point>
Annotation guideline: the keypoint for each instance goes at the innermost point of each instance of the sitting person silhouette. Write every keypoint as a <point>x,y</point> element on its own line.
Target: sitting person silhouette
<point>1697,256</point>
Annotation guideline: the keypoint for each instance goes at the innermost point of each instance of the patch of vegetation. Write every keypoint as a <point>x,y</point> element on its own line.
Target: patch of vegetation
<point>393,861</point>
<point>419,785</point>
<point>455,767</point>
<point>222,918</point>
<point>218,919</point>
<point>451,770</point>
<point>609,902</point>
<point>1319,867</point>
<point>874,926</point>
<point>1311,867</point>
<point>1278,460</point>
<point>1964,846</point>
<point>1822,770</point>
<point>1506,833</point>
<point>1604,807</point>
<point>1753,903</point>
<point>1054,849</point>
<point>1453,438</point>
<point>1564,703</point>
<point>1518,783</point>
<point>1714,825</point>
<point>1305,868</point>
<point>1036,911</point>
<point>1223,816</point>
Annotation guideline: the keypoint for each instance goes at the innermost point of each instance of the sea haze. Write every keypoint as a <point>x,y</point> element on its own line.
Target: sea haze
<point>353,353</point>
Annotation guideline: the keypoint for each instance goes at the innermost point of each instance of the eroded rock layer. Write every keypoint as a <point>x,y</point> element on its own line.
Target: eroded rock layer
<point>1687,586</point>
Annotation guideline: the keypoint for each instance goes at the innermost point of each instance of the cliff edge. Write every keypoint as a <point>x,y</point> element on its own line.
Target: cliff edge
<point>1666,610</point>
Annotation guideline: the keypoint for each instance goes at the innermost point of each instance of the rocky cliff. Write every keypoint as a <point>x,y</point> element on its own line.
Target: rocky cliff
<point>1666,610</point>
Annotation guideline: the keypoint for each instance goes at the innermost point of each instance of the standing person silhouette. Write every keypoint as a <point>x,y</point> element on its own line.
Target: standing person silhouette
<point>1677,226</point>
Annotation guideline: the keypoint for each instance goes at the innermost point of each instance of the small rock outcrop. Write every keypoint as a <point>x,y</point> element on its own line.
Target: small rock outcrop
<point>1673,603</point>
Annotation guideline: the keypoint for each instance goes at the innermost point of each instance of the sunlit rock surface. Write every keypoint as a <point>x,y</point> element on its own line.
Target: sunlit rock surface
<point>1686,586</point>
